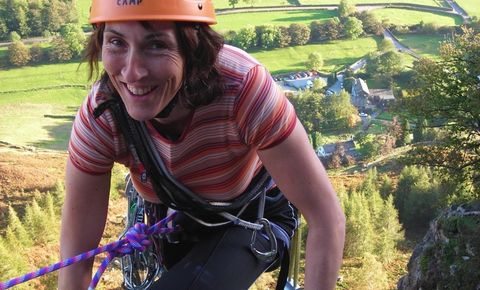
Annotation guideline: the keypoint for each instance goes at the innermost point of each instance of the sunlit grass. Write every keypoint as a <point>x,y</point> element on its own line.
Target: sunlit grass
<point>335,55</point>
<point>336,2</point>
<point>239,20</point>
<point>424,45</point>
<point>220,4</point>
<point>472,7</point>
<point>409,17</point>
<point>41,119</point>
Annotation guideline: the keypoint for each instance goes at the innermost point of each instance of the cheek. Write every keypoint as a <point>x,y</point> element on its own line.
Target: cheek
<point>110,63</point>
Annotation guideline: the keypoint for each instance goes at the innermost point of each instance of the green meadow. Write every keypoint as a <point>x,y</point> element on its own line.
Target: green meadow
<point>38,105</point>
<point>239,20</point>
<point>409,17</point>
<point>425,45</point>
<point>221,4</point>
<point>83,10</point>
<point>336,54</point>
<point>336,2</point>
<point>472,7</point>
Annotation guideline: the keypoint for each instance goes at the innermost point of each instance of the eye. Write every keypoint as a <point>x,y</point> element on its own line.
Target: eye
<point>157,45</point>
<point>115,42</point>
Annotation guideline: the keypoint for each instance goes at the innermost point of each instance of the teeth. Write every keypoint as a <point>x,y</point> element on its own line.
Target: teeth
<point>139,91</point>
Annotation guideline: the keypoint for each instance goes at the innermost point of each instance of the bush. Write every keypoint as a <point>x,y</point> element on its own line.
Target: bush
<point>18,54</point>
<point>60,50</point>
<point>14,36</point>
<point>37,53</point>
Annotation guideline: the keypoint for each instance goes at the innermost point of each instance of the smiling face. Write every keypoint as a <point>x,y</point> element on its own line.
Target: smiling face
<point>144,64</point>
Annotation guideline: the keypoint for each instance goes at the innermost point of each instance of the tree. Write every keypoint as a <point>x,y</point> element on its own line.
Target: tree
<point>233,3</point>
<point>308,106</point>
<point>267,36</point>
<point>300,33</point>
<point>385,65</point>
<point>332,29</point>
<point>18,54</point>
<point>246,37</point>
<point>316,32</point>
<point>417,197</point>
<point>74,37</point>
<point>284,38</point>
<point>345,9</point>
<point>370,23</point>
<point>315,61</point>
<point>3,28</point>
<point>37,53</point>
<point>369,147</point>
<point>337,108</point>
<point>353,28</point>
<point>15,14</point>
<point>34,18</point>
<point>51,15</point>
<point>359,226</point>
<point>14,36</point>
<point>446,94</point>
<point>318,85</point>
<point>60,50</point>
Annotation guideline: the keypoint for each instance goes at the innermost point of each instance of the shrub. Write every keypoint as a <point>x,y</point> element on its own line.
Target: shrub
<point>18,54</point>
<point>14,36</point>
<point>37,53</point>
<point>60,51</point>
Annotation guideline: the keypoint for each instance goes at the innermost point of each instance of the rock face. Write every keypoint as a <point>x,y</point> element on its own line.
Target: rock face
<point>449,255</point>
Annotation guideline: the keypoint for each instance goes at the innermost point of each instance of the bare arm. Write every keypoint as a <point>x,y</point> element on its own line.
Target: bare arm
<point>300,175</point>
<point>83,220</point>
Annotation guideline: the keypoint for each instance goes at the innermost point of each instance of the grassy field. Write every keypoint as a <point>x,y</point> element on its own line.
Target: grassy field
<point>472,7</point>
<point>83,10</point>
<point>34,114</point>
<point>336,2</point>
<point>425,45</point>
<point>220,4</point>
<point>335,54</point>
<point>240,20</point>
<point>409,17</point>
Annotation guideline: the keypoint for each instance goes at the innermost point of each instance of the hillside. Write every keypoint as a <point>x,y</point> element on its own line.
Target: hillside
<point>26,173</point>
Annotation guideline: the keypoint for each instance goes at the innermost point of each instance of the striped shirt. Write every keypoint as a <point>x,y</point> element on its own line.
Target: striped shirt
<point>216,155</point>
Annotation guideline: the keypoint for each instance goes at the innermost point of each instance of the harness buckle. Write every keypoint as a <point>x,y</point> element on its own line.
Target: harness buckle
<point>270,255</point>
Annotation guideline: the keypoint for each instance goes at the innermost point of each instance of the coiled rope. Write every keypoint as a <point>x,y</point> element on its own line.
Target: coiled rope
<point>135,239</point>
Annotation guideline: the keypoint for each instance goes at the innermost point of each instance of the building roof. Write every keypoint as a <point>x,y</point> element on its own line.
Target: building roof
<point>363,85</point>
<point>384,94</point>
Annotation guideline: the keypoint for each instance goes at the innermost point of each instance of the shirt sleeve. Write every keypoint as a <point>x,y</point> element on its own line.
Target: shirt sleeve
<point>92,142</point>
<point>264,115</point>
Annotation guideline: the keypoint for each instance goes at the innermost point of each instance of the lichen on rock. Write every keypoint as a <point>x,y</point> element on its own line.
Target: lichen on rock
<point>449,255</point>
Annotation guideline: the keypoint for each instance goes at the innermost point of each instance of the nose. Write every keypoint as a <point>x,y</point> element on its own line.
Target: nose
<point>134,68</point>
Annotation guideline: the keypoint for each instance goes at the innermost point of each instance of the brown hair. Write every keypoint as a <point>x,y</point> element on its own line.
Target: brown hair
<point>199,45</point>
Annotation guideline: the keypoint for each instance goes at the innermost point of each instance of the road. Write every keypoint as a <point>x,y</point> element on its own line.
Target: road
<point>400,47</point>
<point>458,10</point>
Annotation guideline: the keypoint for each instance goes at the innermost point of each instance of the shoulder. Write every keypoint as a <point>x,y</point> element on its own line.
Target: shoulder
<point>234,61</point>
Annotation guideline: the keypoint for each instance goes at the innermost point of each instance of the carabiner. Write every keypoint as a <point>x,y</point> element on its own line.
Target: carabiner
<point>268,256</point>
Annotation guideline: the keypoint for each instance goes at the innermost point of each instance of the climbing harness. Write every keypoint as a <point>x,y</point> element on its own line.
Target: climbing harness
<point>175,195</point>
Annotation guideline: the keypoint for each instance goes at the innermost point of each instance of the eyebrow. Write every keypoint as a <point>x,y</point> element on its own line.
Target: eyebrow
<point>152,35</point>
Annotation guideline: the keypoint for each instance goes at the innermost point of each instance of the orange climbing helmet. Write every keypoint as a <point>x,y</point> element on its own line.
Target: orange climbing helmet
<point>139,10</point>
